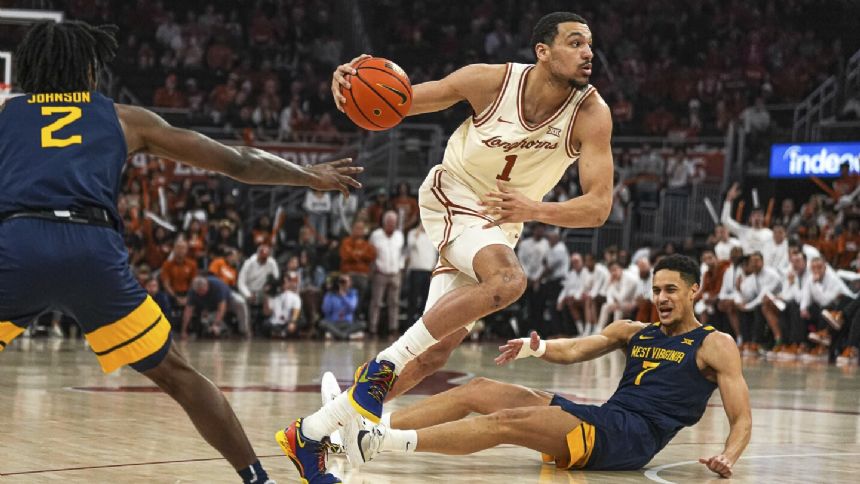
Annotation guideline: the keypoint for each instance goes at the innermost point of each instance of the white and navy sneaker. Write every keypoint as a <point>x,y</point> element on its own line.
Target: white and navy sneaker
<point>329,390</point>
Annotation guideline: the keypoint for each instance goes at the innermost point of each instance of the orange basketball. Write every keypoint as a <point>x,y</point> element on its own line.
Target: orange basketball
<point>380,96</point>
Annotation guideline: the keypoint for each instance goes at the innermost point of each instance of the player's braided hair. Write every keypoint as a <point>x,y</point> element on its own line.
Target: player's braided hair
<point>64,57</point>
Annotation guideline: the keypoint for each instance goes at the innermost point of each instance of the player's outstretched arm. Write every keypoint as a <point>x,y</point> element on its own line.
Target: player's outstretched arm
<point>570,350</point>
<point>479,84</point>
<point>147,132</point>
<point>593,130</point>
<point>720,352</point>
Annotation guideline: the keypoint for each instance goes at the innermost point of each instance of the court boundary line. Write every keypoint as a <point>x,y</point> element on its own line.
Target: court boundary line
<point>652,473</point>
<point>131,464</point>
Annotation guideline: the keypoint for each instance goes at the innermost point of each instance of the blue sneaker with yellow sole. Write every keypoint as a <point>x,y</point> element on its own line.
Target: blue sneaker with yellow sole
<point>373,381</point>
<point>309,456</point>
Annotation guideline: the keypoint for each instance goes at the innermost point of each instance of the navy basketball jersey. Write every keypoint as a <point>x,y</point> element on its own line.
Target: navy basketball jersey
<point>662,382</point>
<point>60,151</point>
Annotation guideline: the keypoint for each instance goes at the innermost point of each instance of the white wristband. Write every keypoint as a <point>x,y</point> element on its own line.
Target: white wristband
<point>526,349</point>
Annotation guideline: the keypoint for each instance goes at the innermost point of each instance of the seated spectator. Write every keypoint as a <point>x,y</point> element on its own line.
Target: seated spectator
<point>712,282</point>
<point>311,281</point>
<point>645,309</point>
<point>757,286</point>
<point>207,306</point>
<point>284,310</point>
<point>317,206</point>
<point>792,326</point>
<point>256,272</point>
<point>595,294</point>
<point>775,251</point>
<point>161,298</point>
<point>726,301</point>
<point>723,242</point>
<point>338,310</point>
<point>572,295</point>
<point>226,267</point>
<point>823,294</point>
<point>178,271</point>
<point>169,96</point>
<point>620,296</point>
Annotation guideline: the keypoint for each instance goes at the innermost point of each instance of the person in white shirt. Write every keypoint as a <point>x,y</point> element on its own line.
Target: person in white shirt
<point>792,326</point>
<point>317,205</point>
<point>572,295</point>
<point>775,251</point>
<point>531,252</point>
<point>620,296</point>
<point>595,294</point>
<point>284,309</point>
<point>343,210</point>
<point>822,293</point>
<point>645,310</point>
<point>728,291</point>
<point>421,256</point>
<point>388,241</point>
<point>757,283</point>
<point>556,264</point>
<point>255,272</point>
<point>723,242</point>
<point>754,236</point>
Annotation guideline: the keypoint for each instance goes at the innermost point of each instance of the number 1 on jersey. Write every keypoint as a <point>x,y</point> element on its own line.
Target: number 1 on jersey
<point>505,175</point>
<point>647,366</point>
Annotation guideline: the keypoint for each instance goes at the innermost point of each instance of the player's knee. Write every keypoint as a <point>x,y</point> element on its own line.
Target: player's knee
<point>507,286</point>
<point>172,373</point>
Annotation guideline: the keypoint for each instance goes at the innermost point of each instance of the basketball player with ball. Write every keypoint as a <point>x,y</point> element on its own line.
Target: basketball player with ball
<point>531,123</point>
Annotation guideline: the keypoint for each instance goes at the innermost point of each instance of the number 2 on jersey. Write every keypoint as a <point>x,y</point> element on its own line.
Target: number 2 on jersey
<point>648,366</point>
<point>505,175</point>
<point>72,114</point>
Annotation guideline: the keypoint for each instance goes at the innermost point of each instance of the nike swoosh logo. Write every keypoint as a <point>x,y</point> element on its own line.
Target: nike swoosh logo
<point>363,377</point>
<point>403,97</point>
<point>645,337</point>
<point>299,436</point>
<point>504,121</point>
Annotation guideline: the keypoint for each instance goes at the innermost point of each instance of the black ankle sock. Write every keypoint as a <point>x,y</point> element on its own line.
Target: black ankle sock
<point>254,474</point>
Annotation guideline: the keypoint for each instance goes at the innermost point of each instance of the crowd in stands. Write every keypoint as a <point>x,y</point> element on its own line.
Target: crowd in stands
<point>785,285</point>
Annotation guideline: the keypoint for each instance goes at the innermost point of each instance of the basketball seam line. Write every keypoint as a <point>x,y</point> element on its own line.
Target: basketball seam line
<point>358,76</point>
<point>408,88</point>
<point>360,111</point>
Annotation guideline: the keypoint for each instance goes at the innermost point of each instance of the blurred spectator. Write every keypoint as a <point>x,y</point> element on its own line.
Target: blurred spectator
<point>226,267</point>
<point>406,207</point>
<point>421,257</point>
<point>620,297</point>
<point>712,281</point>
<point>311,280</point>
<point>343,210</point>
<point>356,257</point>
<point>753,237</point>
<point>338,309</point>
<point>161,298</point>
<point>531,252</point>
<point>317,205</point>
<point>178,271</point>
<point>284,310</point>
<point>256,272</point>
<point>775,251</point>
<point>169,96</point>
<point>388,242</point>
<point>556,265</point>
<point>572,298</point>
<point>207,307</point>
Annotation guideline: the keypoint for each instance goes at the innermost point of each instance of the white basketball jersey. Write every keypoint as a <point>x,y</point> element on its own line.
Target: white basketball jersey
<point>500,144</point>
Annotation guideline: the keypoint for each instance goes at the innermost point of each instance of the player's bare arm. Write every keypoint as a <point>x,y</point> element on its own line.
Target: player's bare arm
<point>147,132</point>
<point>719,353</point>
<point>567,351</point>
<point>592,135</point>
<point>478,84</point>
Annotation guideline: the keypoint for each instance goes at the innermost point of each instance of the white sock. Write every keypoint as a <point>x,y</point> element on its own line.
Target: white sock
<point>326,420</point>
<point>386,420</point>
<point>400,441</point>
<point>414,341</point>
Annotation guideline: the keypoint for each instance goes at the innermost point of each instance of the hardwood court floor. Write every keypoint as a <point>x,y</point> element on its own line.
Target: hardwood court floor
<point>62,420</point>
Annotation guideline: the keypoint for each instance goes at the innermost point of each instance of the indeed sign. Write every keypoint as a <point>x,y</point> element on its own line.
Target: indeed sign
<point>813,159</point>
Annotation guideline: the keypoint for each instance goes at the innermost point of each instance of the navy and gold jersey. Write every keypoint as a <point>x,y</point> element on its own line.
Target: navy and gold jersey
<point>662,382</point>
<point>60,151</point>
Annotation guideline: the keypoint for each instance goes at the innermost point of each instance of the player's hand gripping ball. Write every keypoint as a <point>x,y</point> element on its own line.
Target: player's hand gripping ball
<point>380,94</point>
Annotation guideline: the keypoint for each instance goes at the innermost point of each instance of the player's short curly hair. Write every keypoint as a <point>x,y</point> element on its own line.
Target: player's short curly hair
<point>686,266</point>
<point>547,27</point>
<point>64,57</point>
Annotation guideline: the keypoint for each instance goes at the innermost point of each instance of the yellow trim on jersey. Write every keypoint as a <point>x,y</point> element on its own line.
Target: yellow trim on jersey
<point>708,328</point>
<point>8,332</point>
<point>580,443</point>
<point>134,337</point>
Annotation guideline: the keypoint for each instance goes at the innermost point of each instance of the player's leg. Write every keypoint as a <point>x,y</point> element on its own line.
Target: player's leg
<point>437,355</point>
<point>206,406</point>
<point>480,395</point>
